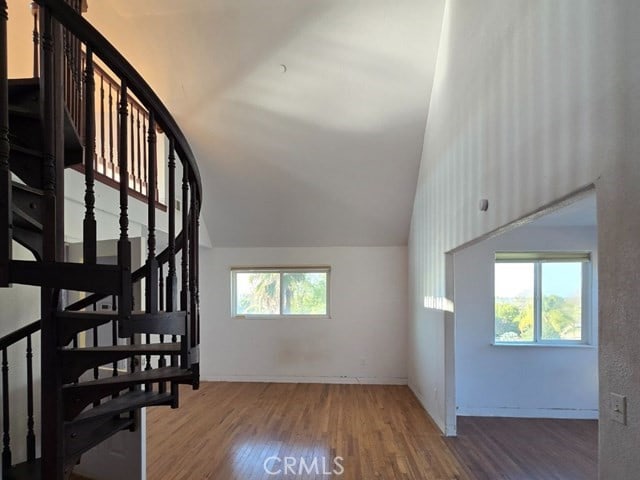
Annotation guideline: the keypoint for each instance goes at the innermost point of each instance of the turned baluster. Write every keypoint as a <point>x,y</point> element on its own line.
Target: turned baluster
<point>6,418</point>
<point>36,40</point>
<point>137,182</point>
<point>111,113</point>
<point>132,143</point>
<point>89,224</point>
<point>125,303</point>
<point>103,160</point>
<point>193,268</point>
<point>31,436</point>
<point>184,293</point>
<point>114,339</point>
<point>5,175</point>
<point>172,281</point>
<point>152,262</point>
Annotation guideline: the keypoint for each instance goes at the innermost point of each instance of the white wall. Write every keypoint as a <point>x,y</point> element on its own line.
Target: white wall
<point>20,39</point>
<point>20,306</point>
<point>533,100</point>
<point>520,381</point>
<point>364,340</point>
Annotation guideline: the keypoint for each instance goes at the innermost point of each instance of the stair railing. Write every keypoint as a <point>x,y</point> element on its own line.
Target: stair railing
<point>105,163</point>
<point>105,160</point>
<point>131,84</point>
<point>72,74</point>
<point>20,338</point>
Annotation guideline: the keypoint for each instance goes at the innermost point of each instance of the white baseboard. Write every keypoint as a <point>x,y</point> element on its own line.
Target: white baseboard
<point>560,413</point>
<point>439,423</point>
<point>304,379</point>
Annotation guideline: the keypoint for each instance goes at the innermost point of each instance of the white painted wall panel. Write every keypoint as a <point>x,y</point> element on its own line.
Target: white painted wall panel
<point>364,340</point>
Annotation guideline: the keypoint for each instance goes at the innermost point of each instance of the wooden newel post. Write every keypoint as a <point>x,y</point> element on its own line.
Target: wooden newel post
<point>151,285</point>
<point>172,281</point>
<point>89,224</point>
<point>6,226</point>
<point>185,303</point>
<point>125,303</point>
<point>35,10</point>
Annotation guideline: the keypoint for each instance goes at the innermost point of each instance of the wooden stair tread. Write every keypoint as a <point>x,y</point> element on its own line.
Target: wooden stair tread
<point>77,444</point>
<point>138,349</point>
<point>105,279</point>
<point>27,188</point>
<point>23,112</point>
<point>161,323</point>
<point>23,220</point>
<point>21,85</point>
<point>75,322</point>
<point>25,150</point>
<point>27,207</point>
<point>111,314</point>
<point>29,239</point>
<point>24,471</point>
<point>24,82</point>
<point>147,376</point>
<point>124,403</point>
<point>99,316</point>
<point>76,397</point>
<point>76,361</point>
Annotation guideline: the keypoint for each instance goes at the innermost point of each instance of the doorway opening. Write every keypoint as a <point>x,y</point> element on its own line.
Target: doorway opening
<point>523,340</point>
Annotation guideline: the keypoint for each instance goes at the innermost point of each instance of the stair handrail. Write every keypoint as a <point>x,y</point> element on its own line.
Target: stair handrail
<point>108,54</point>
<point>20,334</point>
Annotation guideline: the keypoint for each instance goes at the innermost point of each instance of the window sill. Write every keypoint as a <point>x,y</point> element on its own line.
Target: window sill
<point>281,317</point>
<point>544,345</point>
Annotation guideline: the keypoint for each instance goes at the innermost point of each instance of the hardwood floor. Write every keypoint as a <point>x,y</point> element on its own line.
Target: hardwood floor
<point>516,448</point>
<point>227,431</point>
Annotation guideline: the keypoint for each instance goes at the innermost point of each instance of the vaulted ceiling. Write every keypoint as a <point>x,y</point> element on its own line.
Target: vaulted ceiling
<point>306,116</point>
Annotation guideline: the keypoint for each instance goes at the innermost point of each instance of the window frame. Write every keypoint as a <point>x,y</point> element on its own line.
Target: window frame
<point>281,271</point>
<point>537,259</point>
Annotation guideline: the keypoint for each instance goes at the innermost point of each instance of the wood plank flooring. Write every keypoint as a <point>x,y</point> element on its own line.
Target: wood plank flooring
<point>516,448</point>
<point>227,431</point>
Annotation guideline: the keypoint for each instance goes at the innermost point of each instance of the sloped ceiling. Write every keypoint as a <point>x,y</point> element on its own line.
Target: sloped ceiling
<point>306,116</point>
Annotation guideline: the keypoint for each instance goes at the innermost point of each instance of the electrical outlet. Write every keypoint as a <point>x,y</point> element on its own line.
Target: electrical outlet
<point>618,407</point>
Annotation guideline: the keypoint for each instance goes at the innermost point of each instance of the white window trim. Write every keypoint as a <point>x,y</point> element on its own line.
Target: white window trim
<point>281,271</point>
<point>538,258</point>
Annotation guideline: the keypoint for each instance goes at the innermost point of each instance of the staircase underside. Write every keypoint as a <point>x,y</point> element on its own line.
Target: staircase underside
<point>24,471</point>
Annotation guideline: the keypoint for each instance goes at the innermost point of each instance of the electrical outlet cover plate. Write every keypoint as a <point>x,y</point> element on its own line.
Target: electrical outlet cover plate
<point>618,408</point>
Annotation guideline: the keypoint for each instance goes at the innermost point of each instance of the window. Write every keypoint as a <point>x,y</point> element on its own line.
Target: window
<point>280,292</point>
<point>542,297</point>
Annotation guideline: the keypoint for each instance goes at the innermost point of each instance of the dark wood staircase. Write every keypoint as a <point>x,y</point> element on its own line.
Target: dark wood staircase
<point>98,368</point>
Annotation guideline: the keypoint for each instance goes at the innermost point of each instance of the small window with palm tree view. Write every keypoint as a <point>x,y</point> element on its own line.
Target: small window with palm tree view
<point>280,292</point>
<point>542,297</point>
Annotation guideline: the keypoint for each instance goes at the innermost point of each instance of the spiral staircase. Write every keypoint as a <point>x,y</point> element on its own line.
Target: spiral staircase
<point>98,367</point>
